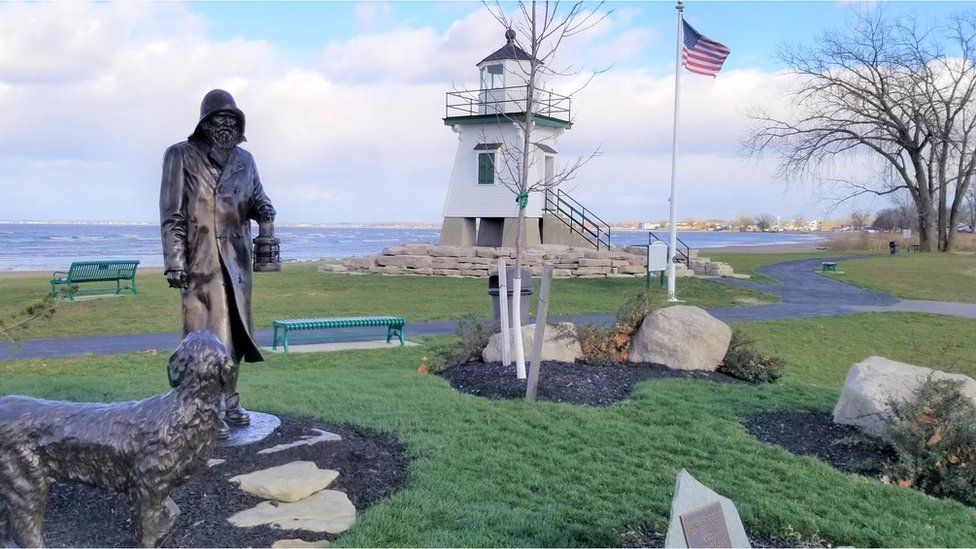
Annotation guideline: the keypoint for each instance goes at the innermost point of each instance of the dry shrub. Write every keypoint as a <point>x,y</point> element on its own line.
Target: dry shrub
<point>606,345</point>
<point>471,337</point>
<point>878,242</point>
<point>934,439</point>
<point>743,361</point>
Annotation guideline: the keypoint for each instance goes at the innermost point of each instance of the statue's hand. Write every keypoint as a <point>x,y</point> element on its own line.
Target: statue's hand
<point>266,213</point>
<point>177,279</point>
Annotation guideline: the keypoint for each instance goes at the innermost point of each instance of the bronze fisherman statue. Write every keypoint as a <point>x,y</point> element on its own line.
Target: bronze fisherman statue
<point>210,192</point>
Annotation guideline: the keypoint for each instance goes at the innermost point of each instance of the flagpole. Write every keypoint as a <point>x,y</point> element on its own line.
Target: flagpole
<point>673,240</point>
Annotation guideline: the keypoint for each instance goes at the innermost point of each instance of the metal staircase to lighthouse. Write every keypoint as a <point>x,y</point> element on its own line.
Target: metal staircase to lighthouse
<point>577,218</point>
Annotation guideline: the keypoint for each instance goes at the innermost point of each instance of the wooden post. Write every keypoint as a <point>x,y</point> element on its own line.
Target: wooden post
<point>503,310</point>
<point>541,313</point>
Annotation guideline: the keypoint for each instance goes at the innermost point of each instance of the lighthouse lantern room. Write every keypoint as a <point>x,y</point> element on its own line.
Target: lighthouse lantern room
<point>480,209</point>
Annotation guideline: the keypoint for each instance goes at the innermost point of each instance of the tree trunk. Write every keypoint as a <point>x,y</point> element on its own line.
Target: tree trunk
<point>517,297</point>
<point>927,227</point>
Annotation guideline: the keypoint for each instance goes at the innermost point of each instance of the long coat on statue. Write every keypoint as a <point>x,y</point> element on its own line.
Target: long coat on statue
<point>205,215</point>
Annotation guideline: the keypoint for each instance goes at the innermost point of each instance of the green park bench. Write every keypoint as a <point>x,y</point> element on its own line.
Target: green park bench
<point>394,326</point>
<point>828,267</point>
<point>96,271</point>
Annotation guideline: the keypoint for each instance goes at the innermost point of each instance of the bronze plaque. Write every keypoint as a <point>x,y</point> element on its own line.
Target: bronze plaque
<point>705,527</point>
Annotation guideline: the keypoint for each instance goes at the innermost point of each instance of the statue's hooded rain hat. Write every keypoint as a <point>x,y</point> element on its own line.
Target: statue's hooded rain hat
<point>214,102</point>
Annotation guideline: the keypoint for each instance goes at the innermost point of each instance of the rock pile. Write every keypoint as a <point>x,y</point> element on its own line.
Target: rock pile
<point>480,261</point>
<point>704,266</point>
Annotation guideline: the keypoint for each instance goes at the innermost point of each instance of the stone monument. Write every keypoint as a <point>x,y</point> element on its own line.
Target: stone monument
<point>702,518</point>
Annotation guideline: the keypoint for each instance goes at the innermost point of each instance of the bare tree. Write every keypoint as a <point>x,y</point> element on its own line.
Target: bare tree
<point>742,223</point>
<point>886,220</point>
<point>860,219</point>
<point>540,30</point>
<point>971,208</point>
<point>889,91</point>
<point>764,222</point>
<point>799,222</point>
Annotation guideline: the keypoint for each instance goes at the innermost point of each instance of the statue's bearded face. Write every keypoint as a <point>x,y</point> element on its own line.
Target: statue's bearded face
<point>223,130</point>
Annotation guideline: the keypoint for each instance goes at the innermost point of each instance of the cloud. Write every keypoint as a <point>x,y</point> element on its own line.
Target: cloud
<point>369,15</point>
<point>92,94</point>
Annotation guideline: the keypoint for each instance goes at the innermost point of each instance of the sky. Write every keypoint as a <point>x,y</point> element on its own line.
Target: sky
<point>345,100</point>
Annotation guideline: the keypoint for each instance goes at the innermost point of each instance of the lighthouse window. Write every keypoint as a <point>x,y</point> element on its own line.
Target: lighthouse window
<point>486,168</point>
<point>492,76</point>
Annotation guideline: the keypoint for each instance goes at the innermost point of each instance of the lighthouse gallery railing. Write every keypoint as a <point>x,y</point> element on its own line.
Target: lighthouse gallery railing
<point>510,101</point>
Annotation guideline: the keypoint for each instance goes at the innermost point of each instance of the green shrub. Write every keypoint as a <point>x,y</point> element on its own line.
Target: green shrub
<point>743,361</point>
<point>471,337</point>
<point>934,438</point>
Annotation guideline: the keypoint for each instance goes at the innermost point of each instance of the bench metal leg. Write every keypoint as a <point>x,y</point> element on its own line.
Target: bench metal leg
<point>286,339</point>
<point>391,332</point>
<point>274,342</point>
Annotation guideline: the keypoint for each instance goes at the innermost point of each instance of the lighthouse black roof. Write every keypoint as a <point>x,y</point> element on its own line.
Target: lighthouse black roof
<point>509,50</point>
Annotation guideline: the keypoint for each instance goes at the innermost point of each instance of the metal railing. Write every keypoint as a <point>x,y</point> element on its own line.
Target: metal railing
<point>510,101</point>
<point>682,251</point>
<point>578,218</point>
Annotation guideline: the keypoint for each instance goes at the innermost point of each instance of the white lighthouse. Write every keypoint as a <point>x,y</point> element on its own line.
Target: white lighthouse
<point>480,209</point>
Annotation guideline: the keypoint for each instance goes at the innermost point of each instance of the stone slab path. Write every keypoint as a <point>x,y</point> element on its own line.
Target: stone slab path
<point>804,294</point>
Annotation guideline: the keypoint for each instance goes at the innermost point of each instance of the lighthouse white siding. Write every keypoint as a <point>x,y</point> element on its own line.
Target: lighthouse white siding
<point>467,198</point>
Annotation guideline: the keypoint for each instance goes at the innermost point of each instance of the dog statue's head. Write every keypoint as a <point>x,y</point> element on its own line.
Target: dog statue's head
<point>200,355</point>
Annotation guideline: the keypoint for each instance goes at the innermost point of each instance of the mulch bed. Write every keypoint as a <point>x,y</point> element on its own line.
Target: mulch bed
<point>371,467</point>
<point>845,447</point>
<point>572,383</point>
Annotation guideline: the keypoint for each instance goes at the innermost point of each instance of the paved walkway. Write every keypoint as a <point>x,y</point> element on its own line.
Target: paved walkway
<point>804,293</point>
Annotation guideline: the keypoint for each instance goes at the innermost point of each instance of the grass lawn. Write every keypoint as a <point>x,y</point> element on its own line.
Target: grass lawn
<point>300,291</point>
<point>930,276</point>
<point>511,473</point>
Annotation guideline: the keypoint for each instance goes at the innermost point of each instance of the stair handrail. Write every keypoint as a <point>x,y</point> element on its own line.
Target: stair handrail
<point>561,203</point>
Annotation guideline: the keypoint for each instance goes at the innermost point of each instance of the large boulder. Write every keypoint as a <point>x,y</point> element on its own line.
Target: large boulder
<point>681,337</point>
<point>874,383</point>
<point>559,345</point>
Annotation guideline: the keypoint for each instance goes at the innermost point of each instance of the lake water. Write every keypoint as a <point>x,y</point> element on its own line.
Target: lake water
<point>36,247</point>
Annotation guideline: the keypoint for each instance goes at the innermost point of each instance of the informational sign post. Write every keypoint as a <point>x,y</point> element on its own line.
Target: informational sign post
<point>657,259</point>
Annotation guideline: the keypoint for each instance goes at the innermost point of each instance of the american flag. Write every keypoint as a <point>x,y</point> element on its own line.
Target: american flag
<point>701,55</point>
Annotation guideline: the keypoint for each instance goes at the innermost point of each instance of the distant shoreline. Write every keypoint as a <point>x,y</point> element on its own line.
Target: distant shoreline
<point>372,225</point>
<point>379,225</point>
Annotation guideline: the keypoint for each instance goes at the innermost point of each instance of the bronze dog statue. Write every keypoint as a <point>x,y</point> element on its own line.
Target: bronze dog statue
<point>146,447</point>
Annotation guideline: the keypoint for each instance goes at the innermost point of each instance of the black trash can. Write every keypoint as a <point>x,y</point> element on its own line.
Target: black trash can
<point>526,297</point>
<point>892,247</point>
